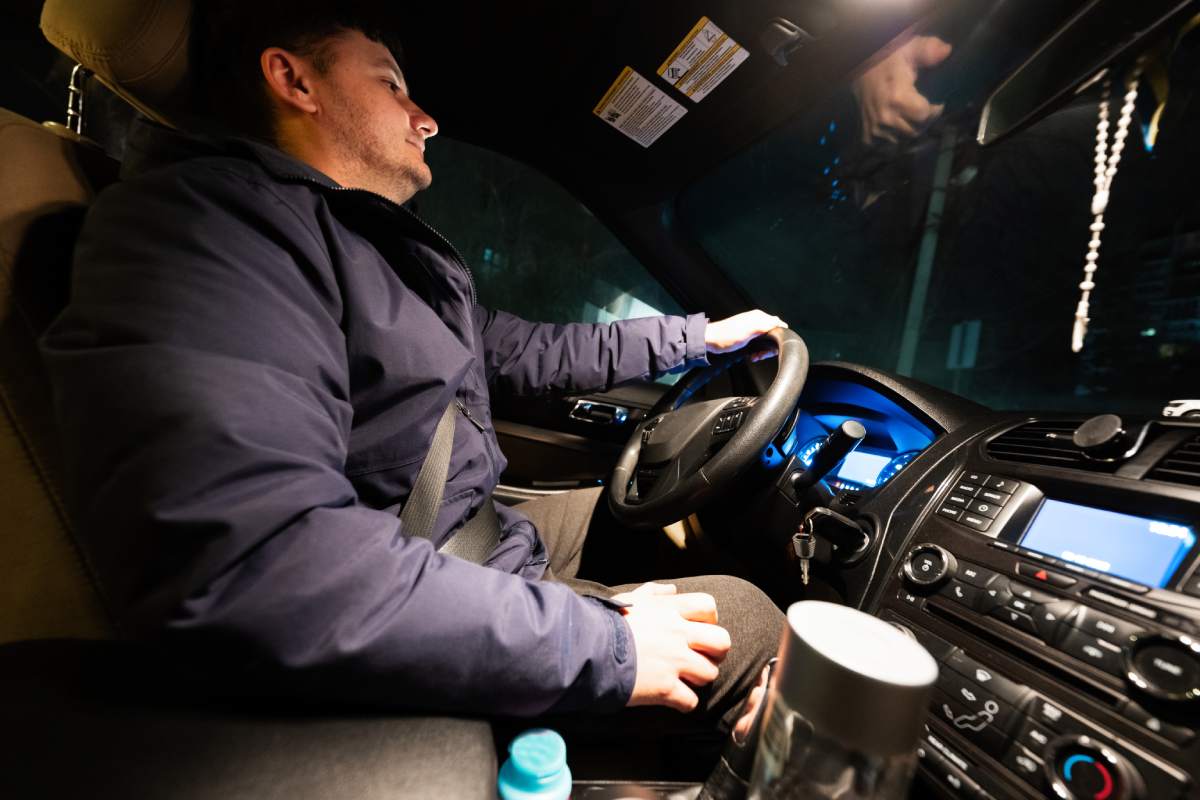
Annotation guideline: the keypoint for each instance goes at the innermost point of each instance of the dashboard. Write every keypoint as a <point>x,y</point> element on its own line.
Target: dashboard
<point>1059,592</point>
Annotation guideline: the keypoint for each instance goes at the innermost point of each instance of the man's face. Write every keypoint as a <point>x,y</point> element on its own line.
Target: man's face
<point>378,130</point>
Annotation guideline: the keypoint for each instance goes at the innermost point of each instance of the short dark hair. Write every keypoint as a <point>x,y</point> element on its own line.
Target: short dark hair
<point>228,36</point>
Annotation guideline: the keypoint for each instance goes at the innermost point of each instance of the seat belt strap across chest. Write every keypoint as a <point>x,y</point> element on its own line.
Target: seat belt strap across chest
<point>480,535</point>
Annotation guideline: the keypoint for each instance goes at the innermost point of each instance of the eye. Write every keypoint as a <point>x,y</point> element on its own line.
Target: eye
<point>395,87</point>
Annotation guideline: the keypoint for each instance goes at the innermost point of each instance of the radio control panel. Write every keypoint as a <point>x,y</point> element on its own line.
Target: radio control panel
<point>1068,644</point>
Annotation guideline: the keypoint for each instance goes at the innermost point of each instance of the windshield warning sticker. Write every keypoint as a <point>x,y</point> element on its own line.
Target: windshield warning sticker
<point>704,58</point>
<point>638,108</point>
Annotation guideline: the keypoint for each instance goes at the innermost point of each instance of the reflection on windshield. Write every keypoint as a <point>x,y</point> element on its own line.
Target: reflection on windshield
<point>884,233</point>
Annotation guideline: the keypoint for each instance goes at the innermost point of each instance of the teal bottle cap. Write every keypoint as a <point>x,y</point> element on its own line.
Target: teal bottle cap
<point>536,768</point>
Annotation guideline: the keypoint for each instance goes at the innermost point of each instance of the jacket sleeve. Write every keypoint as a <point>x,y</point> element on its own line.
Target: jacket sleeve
<point>535,357</point>
<point>200,384</point>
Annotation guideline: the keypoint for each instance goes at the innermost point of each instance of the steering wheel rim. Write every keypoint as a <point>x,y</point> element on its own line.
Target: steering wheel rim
<point>762,422</point>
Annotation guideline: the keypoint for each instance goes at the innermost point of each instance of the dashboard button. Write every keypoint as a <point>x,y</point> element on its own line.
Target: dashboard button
<point>962,593</point>
<point>975,521</point>
<point>1052,716</point>
<point>989,510</point>
<point>969,489</point>
<point>977,478</point>
<point>1034,736</point>
<point>1030,594</point>
<point>1024,606</point>
<point>983,723</point>
<point>1027,766</point>
<point>1101,654</point>
<point>1039,573</point>
<point>1178,734</point>
<point>1007,691</point>
<point>994,596</point>
<point>1017,619</point>
<point>957,499</point>
<point>953,512</point>
<point>1007,485</point>
<point>975,574</point>
<point>993,496</point>
<point>1117,631</point>
<point>1053,620</point>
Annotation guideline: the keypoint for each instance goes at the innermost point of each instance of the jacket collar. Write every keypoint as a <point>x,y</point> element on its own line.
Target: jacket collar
<point>151,145</point>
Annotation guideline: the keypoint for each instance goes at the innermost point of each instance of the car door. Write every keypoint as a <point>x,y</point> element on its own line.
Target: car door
<point>537,252</point>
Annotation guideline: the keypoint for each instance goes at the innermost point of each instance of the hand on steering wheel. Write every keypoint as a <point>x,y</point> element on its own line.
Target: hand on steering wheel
<point>672,464</point>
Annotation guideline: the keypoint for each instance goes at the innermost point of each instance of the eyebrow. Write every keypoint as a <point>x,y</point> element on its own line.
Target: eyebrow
<point>388,64</point>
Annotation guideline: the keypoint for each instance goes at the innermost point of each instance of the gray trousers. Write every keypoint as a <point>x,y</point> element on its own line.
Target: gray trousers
<point>584,543</point>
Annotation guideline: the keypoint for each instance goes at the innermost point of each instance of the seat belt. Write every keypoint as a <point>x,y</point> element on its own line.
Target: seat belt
<point>476,540</point>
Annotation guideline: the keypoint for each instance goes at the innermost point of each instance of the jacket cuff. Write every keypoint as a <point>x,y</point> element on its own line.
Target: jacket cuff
<point>695,349</point>
<point>615,692</point>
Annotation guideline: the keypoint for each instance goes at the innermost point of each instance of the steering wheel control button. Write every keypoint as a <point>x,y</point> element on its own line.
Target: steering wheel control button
<point>1104,655</point>
<point>1166,668</point>
<point>1039,573</point>
<point>1080,768</point>
<point>928,566</point>
<point>975,574</point>
<point>1006,485</point>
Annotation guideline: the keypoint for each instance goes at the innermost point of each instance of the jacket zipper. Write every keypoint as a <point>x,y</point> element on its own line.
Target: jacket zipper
<point>462,262</point>
<point>466,412</point>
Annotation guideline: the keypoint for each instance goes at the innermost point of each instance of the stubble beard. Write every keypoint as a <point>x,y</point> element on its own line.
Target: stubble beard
<point>377,165</point>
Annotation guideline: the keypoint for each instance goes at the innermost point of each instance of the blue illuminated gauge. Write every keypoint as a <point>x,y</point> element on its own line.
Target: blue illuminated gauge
<point>895,465</point>
<point>809,450</point>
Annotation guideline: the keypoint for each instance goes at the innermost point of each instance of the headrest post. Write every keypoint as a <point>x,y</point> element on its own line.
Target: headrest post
<point>75,95</point>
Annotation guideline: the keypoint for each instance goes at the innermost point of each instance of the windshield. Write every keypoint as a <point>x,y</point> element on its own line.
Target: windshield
<point>877,226</point>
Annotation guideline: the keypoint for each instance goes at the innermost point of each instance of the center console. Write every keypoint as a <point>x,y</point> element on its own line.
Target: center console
<point>1066,622</point>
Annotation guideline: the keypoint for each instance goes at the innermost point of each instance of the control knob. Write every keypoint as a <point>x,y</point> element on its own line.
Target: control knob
<point>928,566</point>
<point>1082,768</point>
<point>1165,667</point>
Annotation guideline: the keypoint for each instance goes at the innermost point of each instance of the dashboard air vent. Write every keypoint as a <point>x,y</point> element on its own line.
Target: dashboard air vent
<point>1181,465</point>
<point>1031,444</point>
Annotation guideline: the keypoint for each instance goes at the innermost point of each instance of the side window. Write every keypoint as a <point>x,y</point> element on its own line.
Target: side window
<point>534,250</point>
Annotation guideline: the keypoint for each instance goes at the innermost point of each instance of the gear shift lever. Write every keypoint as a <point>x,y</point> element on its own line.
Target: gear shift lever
<point>838,445</point>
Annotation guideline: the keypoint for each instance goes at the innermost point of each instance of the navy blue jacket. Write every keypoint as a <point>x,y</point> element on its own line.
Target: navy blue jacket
<point>248,376</point>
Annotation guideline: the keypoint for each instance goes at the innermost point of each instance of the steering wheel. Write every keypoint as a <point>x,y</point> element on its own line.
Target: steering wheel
<point>671,464</point>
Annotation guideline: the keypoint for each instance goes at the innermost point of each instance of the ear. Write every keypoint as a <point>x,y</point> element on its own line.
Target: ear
<point>289,79</point>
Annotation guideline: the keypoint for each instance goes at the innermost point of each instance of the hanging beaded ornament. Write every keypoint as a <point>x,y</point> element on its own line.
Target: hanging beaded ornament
<point>1106,170</point>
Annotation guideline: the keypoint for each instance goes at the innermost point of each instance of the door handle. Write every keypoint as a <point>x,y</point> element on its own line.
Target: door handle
<point>599,413</point>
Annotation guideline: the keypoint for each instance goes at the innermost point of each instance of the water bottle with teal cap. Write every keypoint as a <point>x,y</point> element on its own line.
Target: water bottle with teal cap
<point>536,768</point>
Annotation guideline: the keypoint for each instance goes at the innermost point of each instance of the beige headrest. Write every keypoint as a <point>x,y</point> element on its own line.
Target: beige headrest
<point>138,48</point>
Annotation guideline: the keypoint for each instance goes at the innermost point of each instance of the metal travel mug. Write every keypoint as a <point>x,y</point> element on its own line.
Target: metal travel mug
<point>845,709</point>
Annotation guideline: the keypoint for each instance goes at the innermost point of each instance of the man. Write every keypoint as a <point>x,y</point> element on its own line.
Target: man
<point>259,345</point>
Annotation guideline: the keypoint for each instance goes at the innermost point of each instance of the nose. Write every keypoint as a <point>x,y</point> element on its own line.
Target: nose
<point>422,122</point>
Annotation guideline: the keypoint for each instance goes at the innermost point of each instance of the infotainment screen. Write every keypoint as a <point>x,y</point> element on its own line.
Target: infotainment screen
<point>1144,550</point>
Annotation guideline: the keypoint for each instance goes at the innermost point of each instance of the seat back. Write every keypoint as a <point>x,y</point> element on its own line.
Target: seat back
<point>48,176</point>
